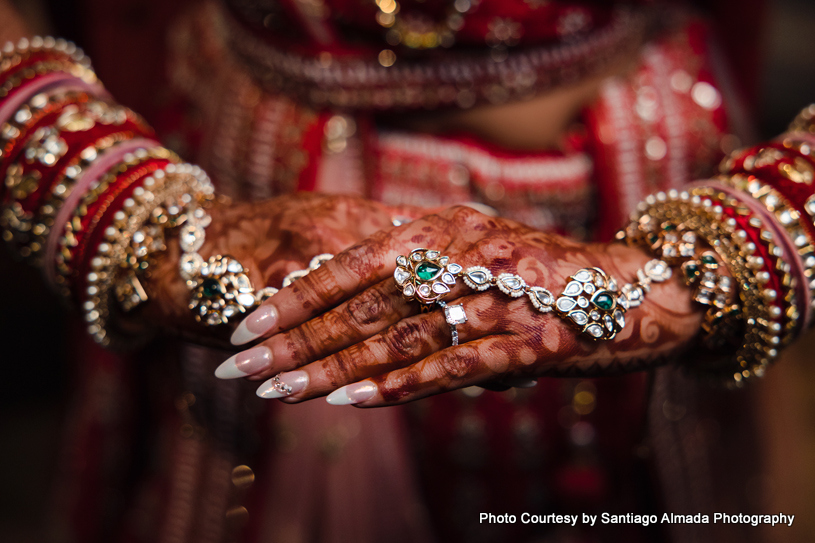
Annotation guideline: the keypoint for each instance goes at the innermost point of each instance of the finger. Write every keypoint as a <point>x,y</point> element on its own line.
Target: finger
<point>465,365</point>
<point>352,271</point>
<point>403,344</point>
<point>352,322</point>
<point>348,273</point>
<point>362,317</point>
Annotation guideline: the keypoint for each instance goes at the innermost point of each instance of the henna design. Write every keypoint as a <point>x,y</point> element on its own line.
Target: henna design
<point>270,238</point>
<point>503,337</point>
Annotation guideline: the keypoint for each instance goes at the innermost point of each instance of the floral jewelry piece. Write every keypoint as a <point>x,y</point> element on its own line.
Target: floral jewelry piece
<point>221,289</point>
<point>591,300</point>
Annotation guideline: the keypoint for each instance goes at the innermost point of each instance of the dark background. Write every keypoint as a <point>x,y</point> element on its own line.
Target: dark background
<point>35,375</point>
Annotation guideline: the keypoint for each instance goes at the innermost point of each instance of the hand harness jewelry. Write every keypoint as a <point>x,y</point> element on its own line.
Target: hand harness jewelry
<point>591,301</point>
<point>220,287</point>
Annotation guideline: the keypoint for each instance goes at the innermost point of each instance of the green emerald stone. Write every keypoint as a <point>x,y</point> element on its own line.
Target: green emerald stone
<point>653,238</point>
<point>707,259</point>
<point>211,288</point>
<point>691,270</point>
<point>604,301</point>
<point>669,227</point>
<point>427,271</point>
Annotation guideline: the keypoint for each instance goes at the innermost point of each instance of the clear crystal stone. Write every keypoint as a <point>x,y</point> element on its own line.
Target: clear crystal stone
<point>440,288</point>
<point>424,290</point>
<point>190,265</point>
<point>234,266</point>
<point>431,255</point>
<point>409,290</point>
<point>595,330</point>
<point>401,275</point>
<point>573,288</point>
<point>402,261</point>
<point>191,238</point>
<point>704,296</point>
<point>594,315</point>
<point>231,310</point>
<point>448,278</point>
<point>513,283</point>
<point>589,288</point>
<point>478,277</point>
<point>609,324</point>
<point>245,299</point>
<point>243,283</point>
<point>579,317</point>
<point>544,296</point>
<point>583,276</point>
<point>565,304</point>
<point>582,302</point>
<point>214,319</point>
<point>619,316</point>
<point>455,314</point>
<point>657,270</point>
<point>453,268</point>
<point>444,260</point>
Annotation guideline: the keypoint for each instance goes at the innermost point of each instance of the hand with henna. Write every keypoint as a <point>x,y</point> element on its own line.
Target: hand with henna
<point>347,330</point>
<point>270,238</point>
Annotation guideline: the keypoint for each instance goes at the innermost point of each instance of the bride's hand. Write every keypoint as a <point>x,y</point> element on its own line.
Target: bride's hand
<point>347,323</point>
<point>271,238</point>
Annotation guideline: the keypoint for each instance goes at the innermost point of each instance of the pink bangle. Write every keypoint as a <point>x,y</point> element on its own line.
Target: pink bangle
<point>95,171</point>
<point>55,79</point>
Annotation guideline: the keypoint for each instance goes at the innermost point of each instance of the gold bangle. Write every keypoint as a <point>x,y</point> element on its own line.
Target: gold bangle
<point>759,324</point>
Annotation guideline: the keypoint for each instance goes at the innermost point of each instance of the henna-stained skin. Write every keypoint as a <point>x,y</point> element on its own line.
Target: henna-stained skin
<point>347,322</point>
<point>271,238</point>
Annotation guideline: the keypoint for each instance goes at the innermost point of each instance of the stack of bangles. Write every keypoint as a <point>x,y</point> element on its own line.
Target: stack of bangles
<point>90,196</point>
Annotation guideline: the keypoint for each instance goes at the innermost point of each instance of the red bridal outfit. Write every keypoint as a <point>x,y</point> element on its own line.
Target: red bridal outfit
<point>276,97</point>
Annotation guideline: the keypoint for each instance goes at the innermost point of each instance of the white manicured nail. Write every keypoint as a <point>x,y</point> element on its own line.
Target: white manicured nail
<point>283,384</point>
<point>257,323</point>
<point>352,394</point>
<point>245,363</point>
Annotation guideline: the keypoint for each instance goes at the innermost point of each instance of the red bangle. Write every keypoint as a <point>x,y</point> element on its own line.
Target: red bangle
<point>95,220</point>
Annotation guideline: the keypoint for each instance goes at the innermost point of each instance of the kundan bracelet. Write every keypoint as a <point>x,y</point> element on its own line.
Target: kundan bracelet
<point>591,300</point>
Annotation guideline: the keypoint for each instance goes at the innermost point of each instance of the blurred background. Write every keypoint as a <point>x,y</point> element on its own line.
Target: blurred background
<point>36,376</point>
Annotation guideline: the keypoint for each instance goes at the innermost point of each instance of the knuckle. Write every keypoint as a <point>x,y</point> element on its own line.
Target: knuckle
<point>302,343</point>
<point>363,261</point>
<point>462,214</point>
<point>316,289</point>
<point>368,308</point>
<point>406,338</point>
<point>343,367</point>
<point>458,364</point>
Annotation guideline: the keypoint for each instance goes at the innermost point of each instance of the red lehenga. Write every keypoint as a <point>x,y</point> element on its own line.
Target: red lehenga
<point>162,451</point>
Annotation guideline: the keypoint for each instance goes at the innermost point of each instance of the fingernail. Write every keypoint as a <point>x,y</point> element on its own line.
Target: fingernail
<point>257,323</point>
<point>352,394</point>
<point>283,384</point>
<point>245,363</point>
